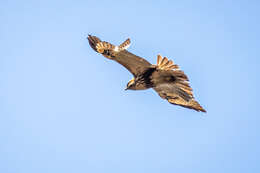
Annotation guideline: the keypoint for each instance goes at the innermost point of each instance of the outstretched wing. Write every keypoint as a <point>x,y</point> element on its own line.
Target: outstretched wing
<point>133,63</point>
<point>172,84</point>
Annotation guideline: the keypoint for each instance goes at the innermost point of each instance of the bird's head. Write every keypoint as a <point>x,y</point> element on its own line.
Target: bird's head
<point>130,85</point>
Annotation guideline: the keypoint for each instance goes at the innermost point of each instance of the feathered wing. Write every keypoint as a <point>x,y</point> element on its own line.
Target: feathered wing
<point>172,84</point>
<point>133,63</point>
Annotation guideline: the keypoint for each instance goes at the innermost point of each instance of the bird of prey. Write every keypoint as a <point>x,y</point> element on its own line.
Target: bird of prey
<point>165,77</point>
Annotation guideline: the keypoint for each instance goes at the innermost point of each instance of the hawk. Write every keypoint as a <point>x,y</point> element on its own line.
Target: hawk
<point>165,77</point>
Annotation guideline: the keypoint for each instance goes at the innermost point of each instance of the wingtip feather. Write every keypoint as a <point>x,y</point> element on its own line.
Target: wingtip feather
<point>192,104</point>
<point>93,41</point>
<point>125,44</point>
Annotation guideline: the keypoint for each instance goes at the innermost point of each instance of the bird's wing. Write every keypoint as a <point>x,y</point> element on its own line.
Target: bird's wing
<point>133,63</point>
<point>172,84</point>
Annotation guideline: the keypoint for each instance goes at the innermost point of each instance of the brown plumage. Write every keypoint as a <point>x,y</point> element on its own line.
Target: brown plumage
<point>165,77</point>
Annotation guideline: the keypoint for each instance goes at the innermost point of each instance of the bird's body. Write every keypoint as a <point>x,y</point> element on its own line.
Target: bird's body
<point>165,77</point>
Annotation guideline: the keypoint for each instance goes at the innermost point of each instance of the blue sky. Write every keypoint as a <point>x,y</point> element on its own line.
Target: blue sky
<point>64,109</point>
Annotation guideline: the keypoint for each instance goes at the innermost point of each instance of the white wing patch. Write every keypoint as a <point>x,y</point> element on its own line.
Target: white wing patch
<point>116,49</point>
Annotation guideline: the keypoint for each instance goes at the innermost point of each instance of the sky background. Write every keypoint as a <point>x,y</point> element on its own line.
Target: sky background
<point>63,107</point>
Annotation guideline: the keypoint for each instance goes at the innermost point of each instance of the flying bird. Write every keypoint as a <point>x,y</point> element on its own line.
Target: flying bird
<point>165,77</point>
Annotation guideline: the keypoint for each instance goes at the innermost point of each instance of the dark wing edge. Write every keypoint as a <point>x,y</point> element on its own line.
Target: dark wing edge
<point>93,41</point>
<point>179,91</point>
<point>133,63</point>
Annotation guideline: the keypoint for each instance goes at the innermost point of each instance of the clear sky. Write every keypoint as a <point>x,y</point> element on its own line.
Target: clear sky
<point>63,107</point>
